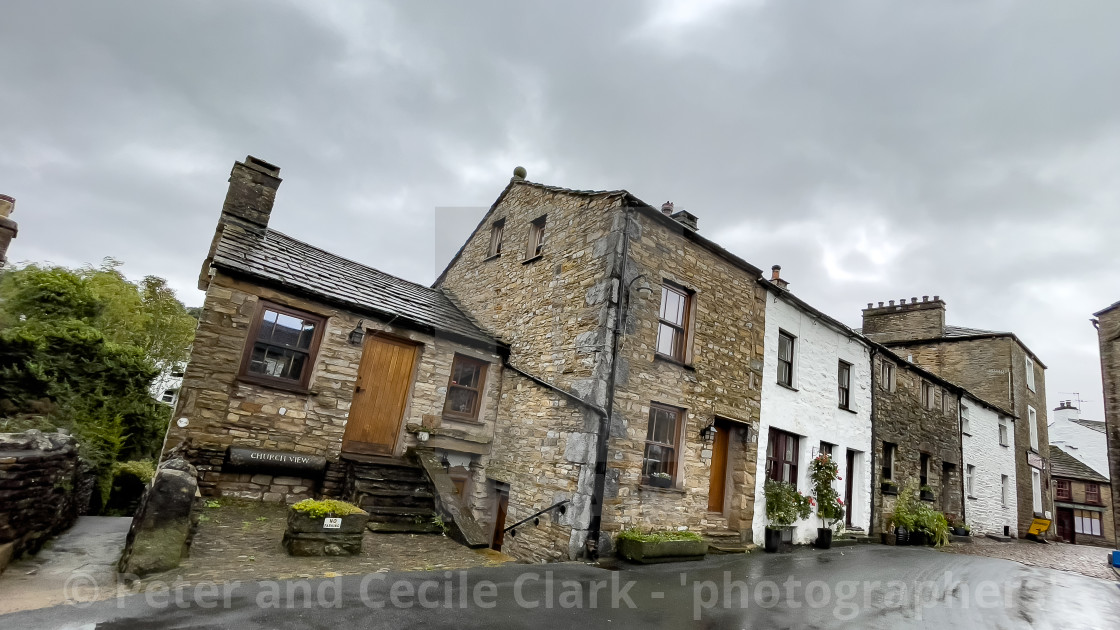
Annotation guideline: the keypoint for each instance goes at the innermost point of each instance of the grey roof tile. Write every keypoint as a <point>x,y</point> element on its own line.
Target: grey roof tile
<point>276,257</point>
<point>1095,425</point>
<point>1062,464</point>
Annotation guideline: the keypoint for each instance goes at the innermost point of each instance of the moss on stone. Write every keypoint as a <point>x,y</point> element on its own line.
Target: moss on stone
<point>319,508</point>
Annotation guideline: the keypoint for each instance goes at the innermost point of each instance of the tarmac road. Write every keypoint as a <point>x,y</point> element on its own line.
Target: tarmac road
<point>855,587</point>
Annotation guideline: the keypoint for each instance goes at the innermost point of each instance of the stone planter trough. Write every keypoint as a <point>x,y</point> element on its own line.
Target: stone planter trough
<point>308,536</point>
<point>657,552</point>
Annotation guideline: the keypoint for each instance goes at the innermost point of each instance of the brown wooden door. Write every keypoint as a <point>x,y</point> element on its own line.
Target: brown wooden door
<point>717,483</point>
<point>849,477</point>
<point>500,519</point>
<point>1065,525</point>
<point>380,396</point>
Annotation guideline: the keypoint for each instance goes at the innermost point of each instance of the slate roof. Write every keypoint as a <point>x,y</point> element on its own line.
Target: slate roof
<point>1095,425</point>
<point>1062,464</point>
<point>962,331</point>
<point>278,259</point>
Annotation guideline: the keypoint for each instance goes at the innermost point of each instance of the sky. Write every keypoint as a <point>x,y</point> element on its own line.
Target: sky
<point>875,150</point>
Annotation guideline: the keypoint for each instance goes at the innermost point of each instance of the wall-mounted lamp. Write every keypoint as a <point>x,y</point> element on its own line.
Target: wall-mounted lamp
<point>708,434</point>
<point>358,333</point>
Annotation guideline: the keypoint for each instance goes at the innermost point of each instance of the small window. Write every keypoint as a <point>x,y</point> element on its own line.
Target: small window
<point>886,376</point>
<point>662,436</point>
<point>535,245</point>
<point>965,420</point>
<point>1063,490</point>
<point>923,469</point>
<point>969,476</point>
<point>1092,493</point>
<point>496,232</point>
<point>1003,433</point>
<point>1036,491</point>
<point>282,347</point>
<point>927,395</point>
<point>781,456</point>
<point>673,322</point>
<point>1004,485</point>
<point>844,382</point>
<point>1030,373</point>
<point>1032,418</point>
<point>890,454</point>
<point>464,389</point>
<point>826,448</point>
<point>1087,522</point>
<point>168,396</point>
<point>944,401</point>
<point>786,343</point>
<point>177,374</point>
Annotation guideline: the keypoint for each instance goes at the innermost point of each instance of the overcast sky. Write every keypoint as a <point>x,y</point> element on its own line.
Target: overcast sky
<point>876,150</point>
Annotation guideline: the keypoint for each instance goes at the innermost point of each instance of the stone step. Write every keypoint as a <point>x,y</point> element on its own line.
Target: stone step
<point>400,514</point>
<point>386,473</point>
<point>1004,539</point>
<point>721,549</point>
<point>427,527</point>
<point>368,502</point>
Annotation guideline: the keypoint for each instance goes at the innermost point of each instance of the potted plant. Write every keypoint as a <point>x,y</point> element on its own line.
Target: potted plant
<point>664,546</point>
<point>324,528</point>
<point>784,506</point>
<point>661,480</point>
<point>903,521</point>
<point>926,493</point>
<point>887,486</point>
<point>830,507</point>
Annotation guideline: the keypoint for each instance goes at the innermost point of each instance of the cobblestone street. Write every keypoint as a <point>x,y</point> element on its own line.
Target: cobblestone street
<point>241,541</point>
<point>1083,559</point>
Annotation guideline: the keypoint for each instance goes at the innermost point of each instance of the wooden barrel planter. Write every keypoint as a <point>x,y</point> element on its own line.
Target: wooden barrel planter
<point>324,528</point>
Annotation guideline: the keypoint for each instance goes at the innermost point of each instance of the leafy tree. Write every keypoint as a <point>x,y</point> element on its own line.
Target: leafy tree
<point>79,350</point>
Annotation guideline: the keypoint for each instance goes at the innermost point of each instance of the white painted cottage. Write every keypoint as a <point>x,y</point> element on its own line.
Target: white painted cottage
<point>988,449</point>
<point>816,395</point>
<point>1084,440</point>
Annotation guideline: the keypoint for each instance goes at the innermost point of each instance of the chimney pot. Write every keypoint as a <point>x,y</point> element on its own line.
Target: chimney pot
<point>936,297</point>
<point>892,302</point>
<point>7,205</point>
<point>667,208</point>
<point>925,298</point>
<point>913,300</point>
<point>869,305</point>
<point>880,305</point>
<point>776,272</point>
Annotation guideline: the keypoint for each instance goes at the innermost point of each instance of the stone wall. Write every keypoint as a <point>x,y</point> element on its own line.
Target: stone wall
<point>39,475</point>
<point>812,409</point>
<point>1108,517</point>
<point>907,320</point>
<point>901,418</point>
<point>223,411</point>
<point>721,376</point>
<point>1108,333</point>
<point>985,510</point>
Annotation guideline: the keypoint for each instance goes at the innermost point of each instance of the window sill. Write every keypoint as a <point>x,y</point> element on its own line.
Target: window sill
<point>463,419</point>
<point>532,260</point>
<point>848,409</point>
<point>966,433</point>
<point>492,257</point>
<point>657,356</point>
<point>294,388</point>
<point>1005,445</point>
<point>647,488</point>
<point>789,387</point>
<point>971,498</point>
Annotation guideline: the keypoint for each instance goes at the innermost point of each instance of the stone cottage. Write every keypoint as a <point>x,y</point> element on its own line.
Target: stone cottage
<point>1107,322</point>
<point>995,366</point>
<point>1083,498</point>
<point>916,437</point>
<point>988,448</point>
<point>311,373</point>
<point>652,335</point>
<point>816,398</point>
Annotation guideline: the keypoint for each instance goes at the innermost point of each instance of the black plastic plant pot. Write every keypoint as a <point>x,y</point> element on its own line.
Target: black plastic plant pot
<point>824,538</point>
<point>773,539</point>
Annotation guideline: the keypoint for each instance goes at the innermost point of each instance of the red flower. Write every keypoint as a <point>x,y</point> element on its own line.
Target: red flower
<point>839,478</point>
<point>840,501</point>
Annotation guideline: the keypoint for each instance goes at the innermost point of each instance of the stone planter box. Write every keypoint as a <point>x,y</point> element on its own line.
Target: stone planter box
<point>306,536</point>
<point>657,552</point>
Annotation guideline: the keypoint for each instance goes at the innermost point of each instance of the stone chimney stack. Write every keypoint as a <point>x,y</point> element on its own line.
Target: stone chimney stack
<point>907,321</point>
<point>8,228</point>
<point>1066,411</point>
<point>776,277</point>
<point>252,191</point>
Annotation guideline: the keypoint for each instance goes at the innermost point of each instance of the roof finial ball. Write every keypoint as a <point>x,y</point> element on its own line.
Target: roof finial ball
<point>520,172</point>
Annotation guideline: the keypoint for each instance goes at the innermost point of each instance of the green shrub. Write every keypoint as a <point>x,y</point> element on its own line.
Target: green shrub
<point>785,504</point>
<point>319,508</point>
<point>823,473</point>
<point>636,535</point>
<point>915,515</point>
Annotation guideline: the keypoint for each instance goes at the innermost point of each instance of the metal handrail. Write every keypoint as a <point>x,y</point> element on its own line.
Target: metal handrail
<point>536,515</point>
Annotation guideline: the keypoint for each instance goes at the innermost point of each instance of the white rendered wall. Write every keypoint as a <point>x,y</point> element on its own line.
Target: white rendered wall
<point>813,411</point>
<point>1086,445</point>
<point>984,510</point>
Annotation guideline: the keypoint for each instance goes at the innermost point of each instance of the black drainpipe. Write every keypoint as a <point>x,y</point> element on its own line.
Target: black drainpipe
<point>876,465</point>
<point>591,546</point>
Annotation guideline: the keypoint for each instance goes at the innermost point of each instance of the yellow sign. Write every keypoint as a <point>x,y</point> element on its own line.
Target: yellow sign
<point>1039,526</point>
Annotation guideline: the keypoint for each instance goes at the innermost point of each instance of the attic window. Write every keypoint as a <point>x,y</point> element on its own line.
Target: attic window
<point>496,232</point>
<point>535,245</point>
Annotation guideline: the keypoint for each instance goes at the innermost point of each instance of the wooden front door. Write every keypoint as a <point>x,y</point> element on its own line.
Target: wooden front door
<point>380,396</point>
<point>501,509</point>
<point>849,476</point>
<point>717,483</point>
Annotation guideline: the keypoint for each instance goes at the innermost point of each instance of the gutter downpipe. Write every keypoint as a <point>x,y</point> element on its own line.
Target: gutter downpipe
<point>591,545</point>
<point>876,464</point>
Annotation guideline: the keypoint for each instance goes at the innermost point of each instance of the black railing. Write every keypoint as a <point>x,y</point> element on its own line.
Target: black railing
<point>536,516</point>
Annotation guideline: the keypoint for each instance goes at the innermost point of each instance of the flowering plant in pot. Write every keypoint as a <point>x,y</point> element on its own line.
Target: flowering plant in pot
<point>784,506</point>
<point>823,473</point>
<point>660,480</point>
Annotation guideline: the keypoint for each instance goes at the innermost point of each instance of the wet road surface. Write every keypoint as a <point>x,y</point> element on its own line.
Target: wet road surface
<point>856,587</point>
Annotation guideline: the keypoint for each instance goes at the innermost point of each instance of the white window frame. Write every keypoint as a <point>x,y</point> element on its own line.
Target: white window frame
<point>1030,374</point>
<point>1004,433</point>
<point>1032,418</point>
<point>891,370</point>
<point>969,478</point>
<point>964,420</point>
<point>1036,491</point>
<point>1004,481</point>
